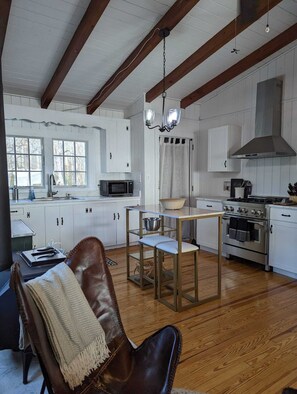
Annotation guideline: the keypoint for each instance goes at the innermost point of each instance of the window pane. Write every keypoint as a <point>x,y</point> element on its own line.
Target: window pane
<point>59,178</point>
<point>10,162</point>
<point>10,144</point>
<point>21,145</point>
<point>69,178</point>
<point>80,164</point>
<point>23,179</point>
<point>81,179</point>
<point>36,179</point>
<point>35,146</point>
<point>58,163</point>
<point>35,163</point>
<point>22,162</point>
<point>25,156</point>
<point>69,164</point>
<point>69,148</point>
<point>58,147</point>
<point>80,148</point>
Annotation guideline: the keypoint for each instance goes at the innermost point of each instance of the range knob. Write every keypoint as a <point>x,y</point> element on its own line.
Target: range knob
<point>253,212</point>
<point>226,208</point>
<point>259,213</point>
<point>231,209</point>
<point>239,210</point>
<point>245,210</point>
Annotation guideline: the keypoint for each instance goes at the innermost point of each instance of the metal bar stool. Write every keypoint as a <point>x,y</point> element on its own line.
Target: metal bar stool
<point>174,284</point>
<point>152,241</point>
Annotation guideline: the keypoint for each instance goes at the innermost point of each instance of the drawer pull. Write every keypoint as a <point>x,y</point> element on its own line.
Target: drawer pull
<point>209,206</point>
<point>14,211</point>
<point>286,215</point>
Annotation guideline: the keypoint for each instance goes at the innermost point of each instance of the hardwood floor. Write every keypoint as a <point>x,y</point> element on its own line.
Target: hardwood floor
<point>245,342</point>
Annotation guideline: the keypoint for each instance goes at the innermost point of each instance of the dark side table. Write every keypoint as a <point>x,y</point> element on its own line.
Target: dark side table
<point>9,315</point>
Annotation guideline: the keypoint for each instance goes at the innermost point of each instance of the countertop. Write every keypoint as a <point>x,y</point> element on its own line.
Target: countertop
<point>212,198</point>
<point>183,213</point>
<point>72,200</point>
<point>20,229</point>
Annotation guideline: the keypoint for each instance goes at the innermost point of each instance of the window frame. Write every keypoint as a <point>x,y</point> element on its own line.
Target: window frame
<point>15,154</point>
<point>86,157</point>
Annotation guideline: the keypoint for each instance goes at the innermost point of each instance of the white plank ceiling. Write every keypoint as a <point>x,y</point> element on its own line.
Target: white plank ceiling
<point>39,32</point>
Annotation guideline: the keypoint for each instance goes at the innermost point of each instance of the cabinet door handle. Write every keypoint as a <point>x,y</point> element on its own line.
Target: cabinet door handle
<point>209,206</point>
<point>110,155</point>
<point>87,210</point>
<point>225,163</point>
<point>57,221</point>
<point>114,216</point>
<point>91,210</point>
<point>118,216</point>
<point>286,215</point>
<point>28,215</point>
<point>14,211</point>
<point>128,164</point>
<point>62,221</point>
<point>271,228</point>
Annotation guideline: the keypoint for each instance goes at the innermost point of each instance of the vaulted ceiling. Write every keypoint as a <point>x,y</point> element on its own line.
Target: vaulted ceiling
<point>108,52</point>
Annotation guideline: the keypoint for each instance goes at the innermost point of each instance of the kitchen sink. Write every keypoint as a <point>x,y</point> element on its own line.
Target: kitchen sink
<point>69,198</point>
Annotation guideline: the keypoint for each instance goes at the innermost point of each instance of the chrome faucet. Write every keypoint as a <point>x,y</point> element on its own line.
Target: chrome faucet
<point>51,183</point>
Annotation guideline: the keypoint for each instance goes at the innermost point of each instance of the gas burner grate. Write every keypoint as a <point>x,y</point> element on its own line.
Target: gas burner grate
<point>257,200</point>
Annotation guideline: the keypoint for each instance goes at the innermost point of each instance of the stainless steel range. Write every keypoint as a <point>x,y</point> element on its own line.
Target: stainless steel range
<point>245,228</point>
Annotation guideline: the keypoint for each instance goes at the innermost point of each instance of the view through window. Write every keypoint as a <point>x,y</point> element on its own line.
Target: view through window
<point>25,161</point>
<point>70,159</point>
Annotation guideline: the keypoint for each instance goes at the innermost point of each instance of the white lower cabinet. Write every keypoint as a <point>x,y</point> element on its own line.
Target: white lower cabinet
<point>104,220</point>
<point>34,218</point>
<point>94,219</point>
<point>207,229</point>
<point>283,239</point>
<point>59,225</point>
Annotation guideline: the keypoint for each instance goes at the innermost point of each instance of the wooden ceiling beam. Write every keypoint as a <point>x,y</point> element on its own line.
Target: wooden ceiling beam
<point>249,61</point>
<point>210,47</point>
<point>172,17</point>
<point>4,14</point>
<point>82,33</point>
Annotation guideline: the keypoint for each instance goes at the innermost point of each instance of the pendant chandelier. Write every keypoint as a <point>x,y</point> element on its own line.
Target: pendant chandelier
<point>172,117</point>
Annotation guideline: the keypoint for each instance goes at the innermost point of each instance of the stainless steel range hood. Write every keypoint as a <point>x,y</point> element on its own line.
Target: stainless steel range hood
<point>268,141</point>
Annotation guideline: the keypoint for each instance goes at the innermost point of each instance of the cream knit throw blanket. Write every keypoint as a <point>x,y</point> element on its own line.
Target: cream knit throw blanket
<point>76,336</point>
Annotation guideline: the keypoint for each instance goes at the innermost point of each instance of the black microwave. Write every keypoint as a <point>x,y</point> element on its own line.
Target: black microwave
<point>122,188</point>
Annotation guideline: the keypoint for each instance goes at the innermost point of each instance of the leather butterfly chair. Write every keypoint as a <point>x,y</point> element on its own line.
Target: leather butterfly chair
<point>149,368</point>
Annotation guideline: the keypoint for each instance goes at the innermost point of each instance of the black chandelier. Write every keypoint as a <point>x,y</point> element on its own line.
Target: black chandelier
<point>173,115</point>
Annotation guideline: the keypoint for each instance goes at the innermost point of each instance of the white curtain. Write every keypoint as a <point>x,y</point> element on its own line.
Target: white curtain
<point>175,172</point>
<point>174,167</point>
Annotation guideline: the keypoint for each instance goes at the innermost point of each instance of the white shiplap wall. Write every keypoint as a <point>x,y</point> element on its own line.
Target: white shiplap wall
<point>235,104</point>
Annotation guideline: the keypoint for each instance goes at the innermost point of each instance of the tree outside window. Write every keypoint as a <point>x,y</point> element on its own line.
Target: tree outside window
<point>70,159</point>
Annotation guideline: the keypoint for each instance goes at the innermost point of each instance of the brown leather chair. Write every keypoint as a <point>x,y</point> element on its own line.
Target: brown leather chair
<point>149,368</point>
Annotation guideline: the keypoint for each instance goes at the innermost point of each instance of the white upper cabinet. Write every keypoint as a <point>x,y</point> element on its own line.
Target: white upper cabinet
<point>116,147</point>
<point>222,142</point>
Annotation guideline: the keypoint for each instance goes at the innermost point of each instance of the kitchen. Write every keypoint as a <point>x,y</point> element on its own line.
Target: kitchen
<point>232,104</point>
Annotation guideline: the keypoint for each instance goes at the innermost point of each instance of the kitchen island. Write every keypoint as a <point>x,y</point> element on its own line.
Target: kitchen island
<point>179,216</point>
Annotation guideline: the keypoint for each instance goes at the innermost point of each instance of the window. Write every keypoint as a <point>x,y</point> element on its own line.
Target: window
<point>70,162</point>
<point>24,161</point>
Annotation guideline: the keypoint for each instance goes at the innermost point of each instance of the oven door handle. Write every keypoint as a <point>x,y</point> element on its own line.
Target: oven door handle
<point>262,224</point>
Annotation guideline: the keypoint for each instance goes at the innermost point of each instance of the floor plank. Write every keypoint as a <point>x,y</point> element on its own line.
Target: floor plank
<point>245,342</point>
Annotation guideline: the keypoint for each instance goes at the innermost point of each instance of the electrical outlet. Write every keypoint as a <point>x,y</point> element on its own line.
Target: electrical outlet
<point>227,186</point>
